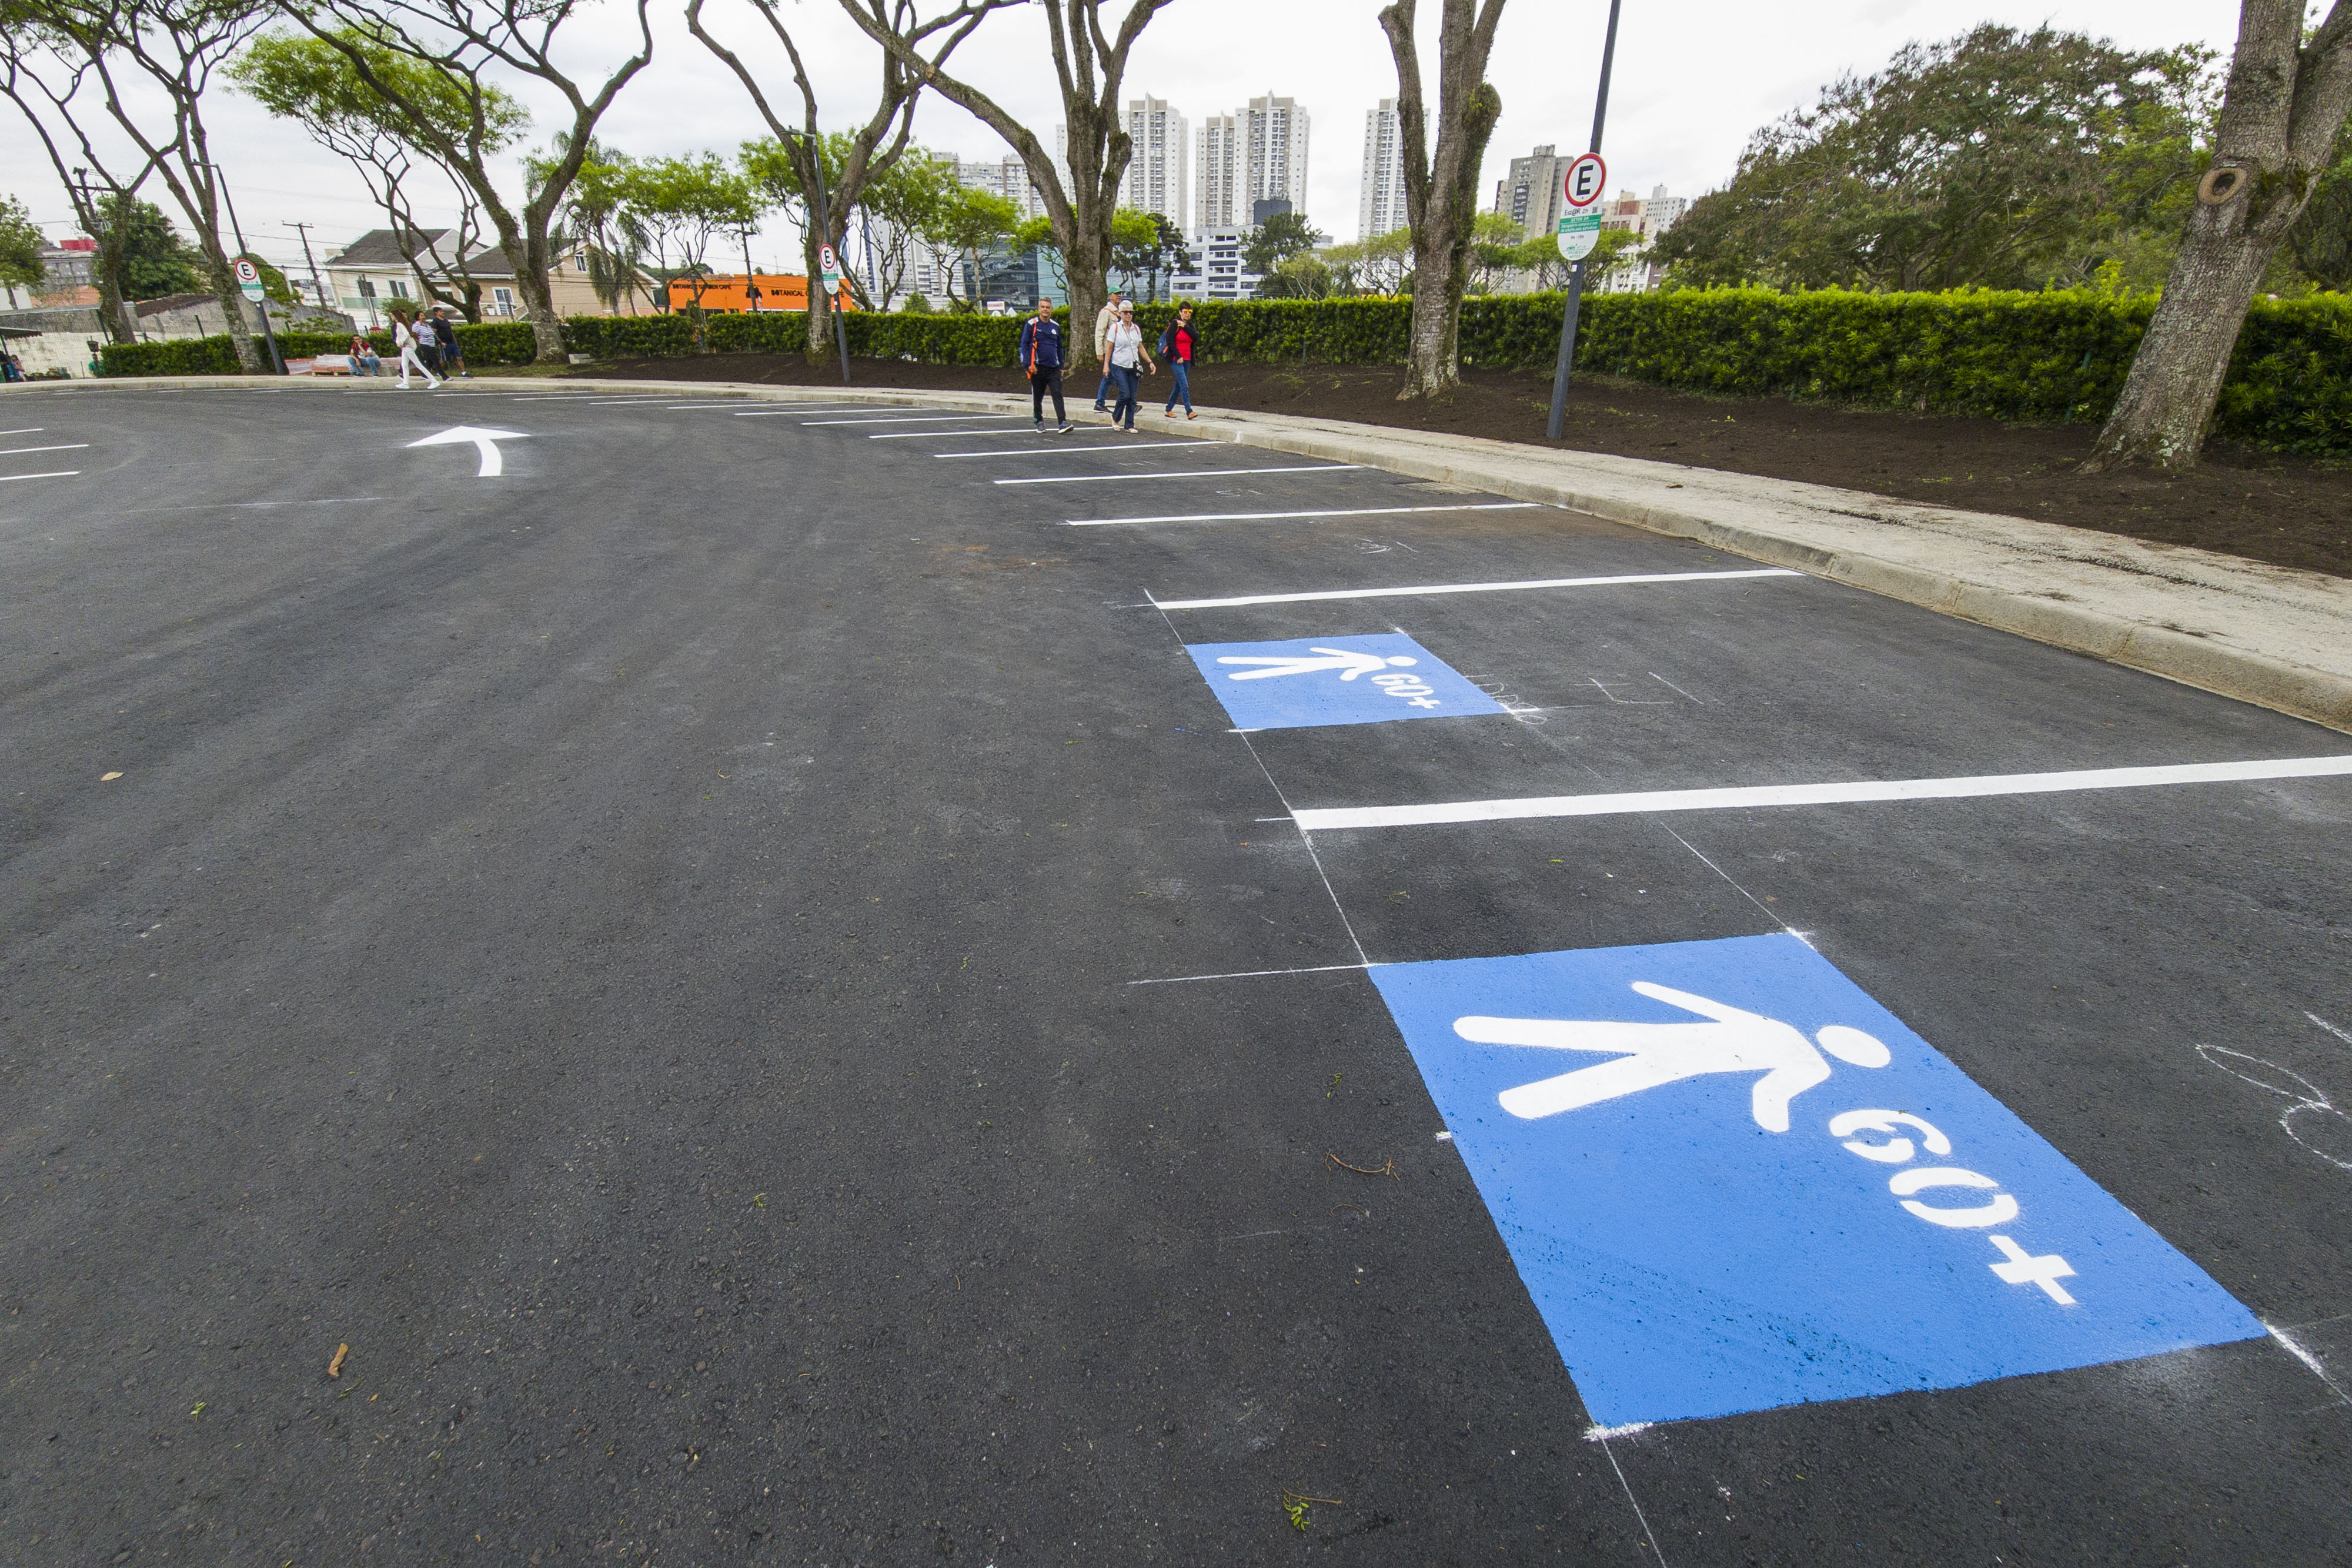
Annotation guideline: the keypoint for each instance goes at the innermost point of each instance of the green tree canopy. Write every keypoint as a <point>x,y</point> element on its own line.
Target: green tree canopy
<point>20,246</point>
<point>1998,159</point>
<point>1278,239</point>
<point>155,260</point>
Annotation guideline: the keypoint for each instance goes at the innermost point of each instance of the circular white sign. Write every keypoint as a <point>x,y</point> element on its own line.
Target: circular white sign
<point>827,263</point>
<point>1587,177</point>
<point>246,271</point>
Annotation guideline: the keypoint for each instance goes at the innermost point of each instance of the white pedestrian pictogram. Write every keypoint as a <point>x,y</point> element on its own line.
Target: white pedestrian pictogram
<point>1352,664</point>
<point>1650,1054</point>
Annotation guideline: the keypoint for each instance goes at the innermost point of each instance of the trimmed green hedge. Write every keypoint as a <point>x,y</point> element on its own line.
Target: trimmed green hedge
<point>2052,358</point>
<point>482,343</point>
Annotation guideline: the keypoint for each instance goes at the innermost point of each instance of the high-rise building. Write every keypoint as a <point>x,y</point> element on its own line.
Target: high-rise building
<point>1008,177</point>
<point>1530,193</point>
<point>1380,198</point>
<point>1256,153</point>
<point>1646,218</point>
<point>1160,164</point>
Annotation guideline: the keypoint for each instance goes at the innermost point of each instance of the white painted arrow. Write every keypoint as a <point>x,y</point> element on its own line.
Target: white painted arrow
<point>493,464</point>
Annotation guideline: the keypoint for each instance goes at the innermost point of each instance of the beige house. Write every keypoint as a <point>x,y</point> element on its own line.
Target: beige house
<point>370,277</point>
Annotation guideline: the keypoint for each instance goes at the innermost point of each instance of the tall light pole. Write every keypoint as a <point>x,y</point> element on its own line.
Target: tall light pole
<point>237,229</point>
<point>1576,278</point>
<point>822,215</point>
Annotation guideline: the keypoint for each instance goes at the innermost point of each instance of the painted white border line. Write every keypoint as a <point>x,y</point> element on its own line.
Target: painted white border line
<point>1183,473</point>
<point>28,430</point>
<point>1056,451</point>
<point>63,446</point>
<point>705,407</point>
<point>1457,587</point>
<point>60,474</point>
<point>1272,517</point>
<point>1327,820</point>
<point>913,418</point>
<point>790,412</point>
<point>927,434</point>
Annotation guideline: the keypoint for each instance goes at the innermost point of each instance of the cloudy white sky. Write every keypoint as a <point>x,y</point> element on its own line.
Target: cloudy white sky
<point>1693,79</point>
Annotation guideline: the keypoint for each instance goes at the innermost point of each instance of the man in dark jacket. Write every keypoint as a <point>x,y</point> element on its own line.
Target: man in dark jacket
<point>445,333</point>
<point>1041,357</point>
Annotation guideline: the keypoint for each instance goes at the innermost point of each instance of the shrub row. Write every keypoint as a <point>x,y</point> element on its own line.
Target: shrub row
<point>2057,356</point>
<point>482,343</point>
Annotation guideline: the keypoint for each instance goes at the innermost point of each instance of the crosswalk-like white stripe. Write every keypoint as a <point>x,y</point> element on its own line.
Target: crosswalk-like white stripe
<point>1330,818</point>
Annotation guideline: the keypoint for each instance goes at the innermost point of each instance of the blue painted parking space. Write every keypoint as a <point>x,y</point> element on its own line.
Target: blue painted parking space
<point>1309,681</point>
<point>1731,1181</point>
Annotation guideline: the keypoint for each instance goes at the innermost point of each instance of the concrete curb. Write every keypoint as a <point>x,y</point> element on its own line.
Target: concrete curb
<point>2274,637</point>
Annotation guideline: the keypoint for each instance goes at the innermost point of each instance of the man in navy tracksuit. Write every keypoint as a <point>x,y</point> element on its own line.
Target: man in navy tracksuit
<point>1041,357</point>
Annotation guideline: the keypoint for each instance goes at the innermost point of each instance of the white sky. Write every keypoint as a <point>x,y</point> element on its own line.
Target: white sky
<point>1693,79</point>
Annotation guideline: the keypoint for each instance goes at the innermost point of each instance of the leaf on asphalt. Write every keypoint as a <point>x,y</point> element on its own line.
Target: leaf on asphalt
<point>108,778</point>
<point>335,1367</point>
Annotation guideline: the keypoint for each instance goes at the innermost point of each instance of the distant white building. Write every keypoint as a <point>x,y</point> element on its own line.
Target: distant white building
<point>1009,177</point>
<point>1531,194</point>
<point>1380,198</point>
<point>1256,153</point>
<point>1159,168</point>
<point>1212,267</point>
<point>1648,217</point>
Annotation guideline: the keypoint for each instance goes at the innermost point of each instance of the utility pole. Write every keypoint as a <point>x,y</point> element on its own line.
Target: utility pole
<point>1576,279</point>
<point>317,286</point>
<point>236,228</point>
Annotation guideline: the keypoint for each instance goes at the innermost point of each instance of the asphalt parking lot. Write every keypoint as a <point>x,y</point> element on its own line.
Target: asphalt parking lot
<point>836,985</point>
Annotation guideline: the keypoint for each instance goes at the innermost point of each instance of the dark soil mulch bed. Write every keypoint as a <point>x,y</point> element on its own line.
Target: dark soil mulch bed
<point>2292,512</point>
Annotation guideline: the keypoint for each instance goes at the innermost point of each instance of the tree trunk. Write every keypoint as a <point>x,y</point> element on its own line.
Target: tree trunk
<point>2285,101</point>
<point>820,303</point>
<point>113,309</point>
<point>1442,187</point>
<point>2176,376</point>
<point>232,298</point>
<point>530,259</point>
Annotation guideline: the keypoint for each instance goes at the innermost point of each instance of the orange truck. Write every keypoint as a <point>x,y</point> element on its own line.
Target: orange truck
<point>730,291</point>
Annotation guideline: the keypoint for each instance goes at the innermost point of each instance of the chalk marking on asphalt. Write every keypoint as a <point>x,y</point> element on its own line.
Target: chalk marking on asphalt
<point>911,418</point>
<point>63,446</point>
<point>2318,1370</point>
<point>1744,796</point>
<point>1250,973</point>
<point>1458,586</point>
<point>1639,1516</point>
<point>234,505</point>
<point>1194,473</point>
<point>1305,840</point>
<point>59,474</point>
<point>1277,517</point>
<point>927,434</point>
<point>1052,451</point>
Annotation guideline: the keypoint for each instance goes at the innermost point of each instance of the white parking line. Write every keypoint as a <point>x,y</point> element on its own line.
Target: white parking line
<point>927,434</point>
<point>915,418</point>
<point>794,413</point>
<point>1462,587</point>
<point>60,474</point>
<point>64,447</point>
<point>28,430</point>
<point>705,407</point>
<point>1058,451</point>
<point>1187,474</point>
<point>1327,820</point>
<point>1273,517</point>
<point>624,401</point>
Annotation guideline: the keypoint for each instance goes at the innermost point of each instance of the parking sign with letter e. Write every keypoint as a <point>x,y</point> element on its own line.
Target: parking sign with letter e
<point>1587,177</point>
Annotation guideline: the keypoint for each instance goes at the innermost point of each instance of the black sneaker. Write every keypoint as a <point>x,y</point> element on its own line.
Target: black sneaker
<point>1065,429</point>
<point>1102,408</point>
<point>1038,428</point>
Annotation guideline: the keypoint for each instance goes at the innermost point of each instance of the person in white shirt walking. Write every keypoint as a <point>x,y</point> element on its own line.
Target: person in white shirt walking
<point>1128,358</point>
<point>404,338</point>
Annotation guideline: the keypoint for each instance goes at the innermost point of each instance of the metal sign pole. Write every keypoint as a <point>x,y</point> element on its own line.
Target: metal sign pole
<point>823,218</point>
<point>267,336</point>
<point>1576,279</point>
